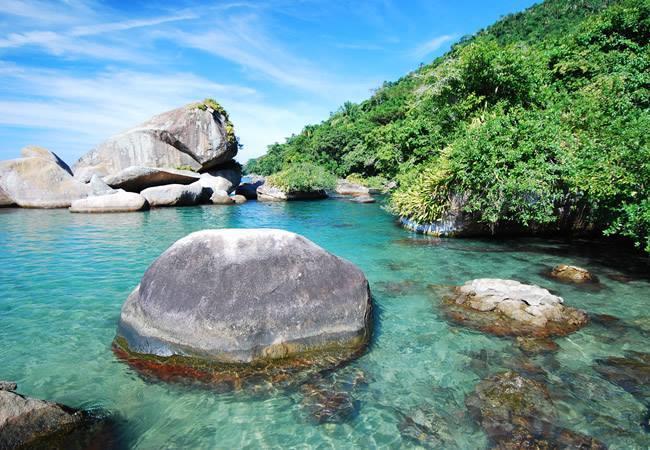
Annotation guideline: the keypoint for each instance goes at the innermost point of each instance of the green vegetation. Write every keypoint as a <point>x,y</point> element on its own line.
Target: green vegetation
<point>212,104</point>
<point>539,121</point>
<point>304,177</point>
<point>375,182</point>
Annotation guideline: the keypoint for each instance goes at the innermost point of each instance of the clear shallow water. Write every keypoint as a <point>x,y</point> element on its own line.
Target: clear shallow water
<point>63,278</point>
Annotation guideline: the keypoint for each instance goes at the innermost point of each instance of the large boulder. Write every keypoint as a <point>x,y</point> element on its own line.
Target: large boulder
<point>198,136</point>
<point>138,178</point>
<point>508,307</point>
<point>225,179</point>
<point>34,151</point>
<point>245,296</point>
<point>269,193</point>
<point>119,201</point>
<point>174,194</point>
<point>40,180</point>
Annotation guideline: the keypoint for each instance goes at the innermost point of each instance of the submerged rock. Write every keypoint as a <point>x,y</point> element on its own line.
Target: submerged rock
<point>33,423</point>
<point>325,405</point>
<point>41,181</point>
<point>631,372</point>
<point>174,195</point>
<point>532,346</point>
<point>294,300</point>
<point>573,274</point>
<point>425,426</point>
<point>138,178</point>
<point>194,136</point>
<point>120,201</point>
<point>269,193</point>
<point>510,308</point>
<point>363,199</point>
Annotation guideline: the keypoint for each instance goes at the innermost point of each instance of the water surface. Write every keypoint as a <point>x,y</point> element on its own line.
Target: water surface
<point>64,277</point>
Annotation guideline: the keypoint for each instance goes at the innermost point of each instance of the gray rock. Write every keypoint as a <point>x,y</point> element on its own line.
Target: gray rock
<point>197,300</point>
<point>226,179</point>
<point>99,187</point>
<point>344,187</point>
<point>186,136</point>
<point>119,201</point>
<point>269,193</point>
<point>34,151</point>
<point>24,420</point>
<point>138,178</point>
<point>174,194</point>
<point>8,386</point>
<point>239,199</point>
<point>5,200</point>
<point>221,198</point>
<point>249,189</point>
<point>39,182</point>
<point>363,199</point>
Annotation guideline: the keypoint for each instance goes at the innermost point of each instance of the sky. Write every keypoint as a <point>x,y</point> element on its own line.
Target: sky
<point>75,72</point>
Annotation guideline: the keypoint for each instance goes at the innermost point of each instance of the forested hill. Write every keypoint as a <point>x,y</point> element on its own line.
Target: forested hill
<point>540,117</point>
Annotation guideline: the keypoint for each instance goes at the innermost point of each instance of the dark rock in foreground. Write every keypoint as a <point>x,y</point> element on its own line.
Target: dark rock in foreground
<point>510,308</point>
<point>34,423</point>
<point>244,298</point>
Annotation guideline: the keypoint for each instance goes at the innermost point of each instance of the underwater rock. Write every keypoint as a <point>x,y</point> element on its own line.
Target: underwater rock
<point>510,308</point>
<point>532,346</point>
<point>631,372</point>
<point>295,303</point>
<point>404,287</point>
<point>325,405</point>
<point>425,426</point>
<point>573,274</point>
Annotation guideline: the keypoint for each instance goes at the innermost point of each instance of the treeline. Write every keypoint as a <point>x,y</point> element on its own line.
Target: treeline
<point>542,117</point>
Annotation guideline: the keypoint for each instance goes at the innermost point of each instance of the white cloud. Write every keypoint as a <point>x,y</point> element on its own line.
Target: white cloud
<point>432,45</point>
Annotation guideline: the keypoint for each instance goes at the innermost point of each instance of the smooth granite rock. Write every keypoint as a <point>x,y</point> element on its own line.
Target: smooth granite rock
<point>239,199</point>
<point>189,136</point>
<point>221,198</point>
<point>269,193</point>
<point>363,199</point>
<point>99,186</point>
<point>137,178</point>
<point>344,187</point>
<point>40,182</point>
<point>5,200</point>
<point>34,151</point>
<point>118,201</point>
<point>508,307</point>
<point>246,296</point>
<point>174,194</point>
<point>226,179</point>
<point>572,274</point>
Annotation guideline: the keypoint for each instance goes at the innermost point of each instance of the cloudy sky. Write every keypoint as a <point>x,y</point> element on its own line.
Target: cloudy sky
<point>74,72</point>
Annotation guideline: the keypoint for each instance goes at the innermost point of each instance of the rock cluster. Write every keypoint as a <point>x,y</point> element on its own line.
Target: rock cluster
<point>511,308</point>
<point>298,299</point>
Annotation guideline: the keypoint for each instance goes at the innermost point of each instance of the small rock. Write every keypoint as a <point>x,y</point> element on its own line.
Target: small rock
<point>221,198</point>
<point>174,194</point>
<point>424,426</point>
<point>325,405</point>
<point>573,274</point>
<point>120,201</point>
<point>239,199</point>
<point>362,199</point>
<point>8,386</point>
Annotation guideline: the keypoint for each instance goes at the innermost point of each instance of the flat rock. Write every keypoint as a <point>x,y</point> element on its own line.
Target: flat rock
<point>196,301</point>
<point>363,199</point>
<point>39,182</point>
<point>572,274</point>
<point>174,194</point>
<point>344,187</point>
<point>508,307</point>
<point>119,201</point>
<point>189,136</point>
<point>269,193</point>
<point>137,178</point>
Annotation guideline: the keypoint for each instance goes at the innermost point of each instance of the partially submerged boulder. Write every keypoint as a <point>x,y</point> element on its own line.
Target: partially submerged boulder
<point>572,274</point>
<point>174,195</point>
<point>221,198</point>
<point>198,136</point>
<point>138,178</point>
<point>363,199</point>
<point>511,308</point>
<point>269,193</point>
<point>239,199</point>
<point>119,201</point>
<point>248,297</point>
<point>40,181</point>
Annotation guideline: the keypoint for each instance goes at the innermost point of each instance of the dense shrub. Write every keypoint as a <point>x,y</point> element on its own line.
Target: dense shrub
<point>303,177</point>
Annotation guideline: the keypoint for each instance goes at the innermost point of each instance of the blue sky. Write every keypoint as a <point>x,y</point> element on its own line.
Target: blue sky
<point>74,72</point>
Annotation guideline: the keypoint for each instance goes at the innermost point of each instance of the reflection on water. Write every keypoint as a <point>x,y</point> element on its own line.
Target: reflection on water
<point>63,278</point>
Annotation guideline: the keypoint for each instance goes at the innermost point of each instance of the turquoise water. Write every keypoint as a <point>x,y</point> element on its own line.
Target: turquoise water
<point>63,278</point>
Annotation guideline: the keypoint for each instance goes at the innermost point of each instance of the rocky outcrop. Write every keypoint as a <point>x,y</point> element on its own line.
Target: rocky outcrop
<point>344,187</point>
<point>249,188</point>
<point>40,181</point>
<point>198,136</point>
<point>174,195</point>
<point>510,308</point>
<point>138,178</point>
<point>572,274</point>
<point>118,201</point>
<point>268,193</point>
<point>245,296</point>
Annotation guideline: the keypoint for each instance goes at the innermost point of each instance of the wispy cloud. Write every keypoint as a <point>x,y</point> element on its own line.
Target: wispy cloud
<point>431,45</point>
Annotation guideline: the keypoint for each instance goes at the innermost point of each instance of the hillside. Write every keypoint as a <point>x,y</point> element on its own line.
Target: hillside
<point>538,122</point>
